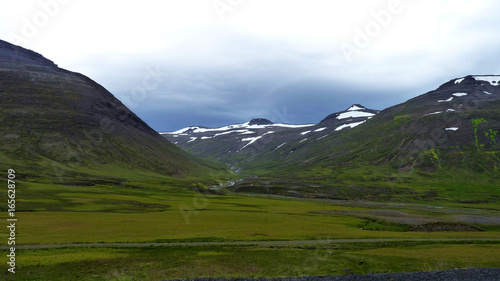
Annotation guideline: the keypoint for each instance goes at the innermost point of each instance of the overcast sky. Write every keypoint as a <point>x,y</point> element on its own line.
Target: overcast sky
<point>216,62</point>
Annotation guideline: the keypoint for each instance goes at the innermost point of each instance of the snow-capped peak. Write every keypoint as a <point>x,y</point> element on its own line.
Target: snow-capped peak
<point>355,111</point>
<point>185,130</point>
<point>355,107</point>
<point>492,79</point>
<point>254,124</point>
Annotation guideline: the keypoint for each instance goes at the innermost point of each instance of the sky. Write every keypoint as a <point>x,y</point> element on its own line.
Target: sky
<point>211,63</point>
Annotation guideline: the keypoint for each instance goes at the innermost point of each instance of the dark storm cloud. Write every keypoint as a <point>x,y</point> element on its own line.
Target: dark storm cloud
<point>218,75</point>
<point>231,79</point>
<point>297,101</point>
<point>177,64</point>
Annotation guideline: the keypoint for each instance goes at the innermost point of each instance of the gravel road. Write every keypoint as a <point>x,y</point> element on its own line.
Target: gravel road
<point>247,243</point>
<point>474,274</point>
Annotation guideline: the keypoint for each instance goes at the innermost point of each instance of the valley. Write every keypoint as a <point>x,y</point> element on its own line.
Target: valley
<point>116,233</point>
<point>438,146</point>
<point>101,196</point>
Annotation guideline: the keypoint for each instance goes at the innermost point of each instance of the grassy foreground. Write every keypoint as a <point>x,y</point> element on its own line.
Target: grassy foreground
<point>164,211</point>
<point>162,263</point>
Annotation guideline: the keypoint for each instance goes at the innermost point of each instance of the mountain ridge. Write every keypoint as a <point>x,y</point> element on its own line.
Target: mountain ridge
<point>447,141</point>
<point>442,143</point>
<point>63,121</point>
<point>253,136</point>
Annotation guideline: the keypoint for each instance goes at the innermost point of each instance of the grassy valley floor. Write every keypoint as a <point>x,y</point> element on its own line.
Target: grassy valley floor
<point>222,235</point>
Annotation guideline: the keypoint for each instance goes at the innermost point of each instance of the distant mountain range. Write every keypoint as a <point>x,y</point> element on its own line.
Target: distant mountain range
<point>253,136</point>
<point>447,138</point>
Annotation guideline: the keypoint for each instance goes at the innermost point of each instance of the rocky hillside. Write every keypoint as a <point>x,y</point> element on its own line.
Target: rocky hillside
<point>54,121</point>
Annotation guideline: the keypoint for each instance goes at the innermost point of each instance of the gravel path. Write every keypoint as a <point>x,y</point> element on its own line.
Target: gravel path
<point>247,243</point>
<point>474,274</point>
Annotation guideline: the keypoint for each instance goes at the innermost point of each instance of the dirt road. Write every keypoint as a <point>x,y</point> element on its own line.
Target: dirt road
<point>249,243</point>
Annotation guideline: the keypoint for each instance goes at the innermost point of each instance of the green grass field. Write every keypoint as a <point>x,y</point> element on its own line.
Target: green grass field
<point>162,263</point>
<point>163,211</point>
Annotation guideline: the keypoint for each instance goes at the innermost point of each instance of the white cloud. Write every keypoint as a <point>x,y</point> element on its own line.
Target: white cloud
<point>257,58</point>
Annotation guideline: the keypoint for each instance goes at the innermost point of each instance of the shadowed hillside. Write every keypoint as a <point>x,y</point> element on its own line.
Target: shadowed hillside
<point>55,122</point>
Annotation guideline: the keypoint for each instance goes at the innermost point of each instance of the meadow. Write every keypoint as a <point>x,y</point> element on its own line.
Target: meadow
<point>164,211</point>
<point>172,262</point>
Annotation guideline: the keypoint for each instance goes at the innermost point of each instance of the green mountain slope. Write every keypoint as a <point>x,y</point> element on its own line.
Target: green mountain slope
<point>60,125</point>
<point>440,145</point>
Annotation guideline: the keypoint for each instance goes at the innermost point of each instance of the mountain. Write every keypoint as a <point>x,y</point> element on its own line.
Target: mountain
<point>460,114</point>
<point>350,118</point>
<point>233,143</point>
<point>442,145</point>
<point>56,123</point>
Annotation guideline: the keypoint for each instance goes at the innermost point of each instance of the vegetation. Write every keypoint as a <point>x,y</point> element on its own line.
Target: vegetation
<point>90,175</point>
<point>401,154</point>
<point>161,263</point>
<point>162,210</point>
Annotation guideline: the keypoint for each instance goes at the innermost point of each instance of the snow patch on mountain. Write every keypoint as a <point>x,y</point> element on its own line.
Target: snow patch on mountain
<point>460,94</point>
<point>226,129</point>
<point>249,133</point>
<point>352,125</point>
<point>354,114</point>
<point>230,132</point>
<point>433,113</point>
<point>448,100</point>
<point>280,145</point>
<point>292,126</point>
<point>180,132</point>
<point>315,131</point>
<point>305,133</point>
<point>246,132</point>
<point>493,80</point>
<point>250,140</point>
